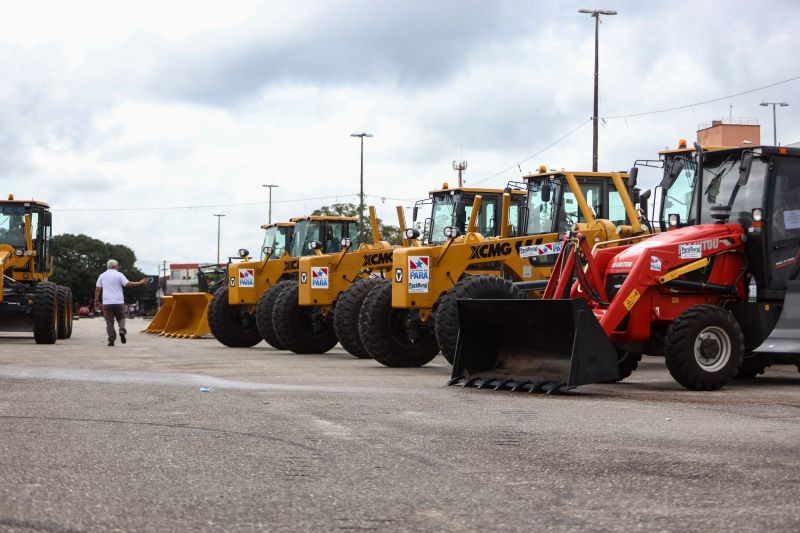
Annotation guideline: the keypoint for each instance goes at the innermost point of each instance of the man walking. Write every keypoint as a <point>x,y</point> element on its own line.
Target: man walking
<point>111,282</point>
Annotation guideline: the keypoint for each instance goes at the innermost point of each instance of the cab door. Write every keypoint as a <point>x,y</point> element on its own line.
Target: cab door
<point>783,222</point>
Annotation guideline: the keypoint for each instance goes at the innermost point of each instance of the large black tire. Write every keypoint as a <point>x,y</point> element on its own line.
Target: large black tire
<point>232,325</point>
<point>264,309</point>
<point>752,366</point>
<point>64,311</point>
<point>703,347</point>
<point>627,362</point>
<point>302,329</point>
<point>446,321</point>
<point>346,313</point>
<point>70,313</point>
<point>384,334</point>
<point>44,313</point>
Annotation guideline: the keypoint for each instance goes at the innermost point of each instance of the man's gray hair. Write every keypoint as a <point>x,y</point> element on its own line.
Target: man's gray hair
<point>112,263</point>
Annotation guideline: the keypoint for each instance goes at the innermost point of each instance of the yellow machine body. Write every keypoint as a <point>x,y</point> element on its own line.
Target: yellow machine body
<point>189,316</point>
<point>421,275</point>
<point>159,321</point>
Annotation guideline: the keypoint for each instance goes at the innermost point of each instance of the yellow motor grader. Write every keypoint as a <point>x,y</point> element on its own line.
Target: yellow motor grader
<point>234,309</point>
<point>324,307</point>
<point>29,301</point>
<point>407,321</point>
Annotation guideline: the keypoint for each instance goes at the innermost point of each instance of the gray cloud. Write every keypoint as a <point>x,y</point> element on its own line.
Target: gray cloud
<point>355,43</point>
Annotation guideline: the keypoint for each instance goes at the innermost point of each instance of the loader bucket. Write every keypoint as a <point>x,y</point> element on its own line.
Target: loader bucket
<point>531,345</point>
<point>189,318</point>
<point>785,336</point>
<point>161,318</point>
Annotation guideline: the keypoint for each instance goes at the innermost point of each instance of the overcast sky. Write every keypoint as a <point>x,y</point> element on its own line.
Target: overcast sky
<point>172,104</point>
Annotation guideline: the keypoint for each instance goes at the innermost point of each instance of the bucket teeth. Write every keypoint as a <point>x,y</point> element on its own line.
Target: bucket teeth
<point>454,381</point>
<point>521,385</point>
<point>503,384</point>
<point>486,384</point>
<point>471,382</point>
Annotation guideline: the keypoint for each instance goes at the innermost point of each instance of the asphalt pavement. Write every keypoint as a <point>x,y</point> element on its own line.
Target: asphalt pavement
<point>188,435</point>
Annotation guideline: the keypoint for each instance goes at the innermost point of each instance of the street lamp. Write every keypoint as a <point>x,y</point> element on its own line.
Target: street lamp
<point>219,219</point>
<point>774,125</point>
<point>361,192</point>
<point>269,186</point>
<point>596,14</point>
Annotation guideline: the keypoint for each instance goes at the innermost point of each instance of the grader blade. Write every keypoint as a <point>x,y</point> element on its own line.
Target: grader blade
<point>189,318</point>
<point>162,316</point>
<point>531,345</point>
<point>785,336</point>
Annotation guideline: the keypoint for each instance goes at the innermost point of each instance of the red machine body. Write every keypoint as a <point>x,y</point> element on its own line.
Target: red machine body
<point>638,274</point>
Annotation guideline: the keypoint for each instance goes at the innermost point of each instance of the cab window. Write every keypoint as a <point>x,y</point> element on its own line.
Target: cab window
<point>571,213</point>
<point>616,209</point>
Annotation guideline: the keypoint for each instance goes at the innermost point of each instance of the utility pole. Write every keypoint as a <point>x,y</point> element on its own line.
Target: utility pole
<point>460,167</point>
<point>774,120</point>
<point>596,14</point>
<point>269,216</point>
<point>219,219</point>
<point>361,190</point>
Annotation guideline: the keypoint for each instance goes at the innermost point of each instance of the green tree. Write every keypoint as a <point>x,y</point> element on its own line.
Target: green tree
<point>389,233</point>
<point>79,259</point>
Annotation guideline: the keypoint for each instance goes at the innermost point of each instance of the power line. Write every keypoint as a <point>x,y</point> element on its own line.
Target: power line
<point>204,206</point>
<point>515,165</point>
<point>632,115</point>
<point>667,109</point>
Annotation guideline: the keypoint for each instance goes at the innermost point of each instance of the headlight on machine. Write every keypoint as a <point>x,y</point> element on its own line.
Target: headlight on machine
<point>412,233</point>
<point>451,232</point>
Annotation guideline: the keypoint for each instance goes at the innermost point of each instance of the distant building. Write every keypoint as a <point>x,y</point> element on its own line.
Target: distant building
<point>730,132</point>
<point>182,278</point>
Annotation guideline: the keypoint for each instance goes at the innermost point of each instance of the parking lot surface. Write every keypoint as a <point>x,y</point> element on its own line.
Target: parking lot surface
<point>163,434</point>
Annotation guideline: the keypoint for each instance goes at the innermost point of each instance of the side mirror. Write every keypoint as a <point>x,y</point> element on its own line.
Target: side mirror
<point>633,175</point>
<point>48,218</point>
<point>744,168</point>
<point>674,171</point>
<point>414,213</point>
<point>546,191</point>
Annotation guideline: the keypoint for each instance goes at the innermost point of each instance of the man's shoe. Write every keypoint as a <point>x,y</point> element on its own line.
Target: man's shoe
<point>122,338</point>
<point>111,343</point>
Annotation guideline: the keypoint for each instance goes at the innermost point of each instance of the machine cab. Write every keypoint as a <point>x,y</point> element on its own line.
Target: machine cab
<point>277,239</point>
<point>557,201</point>
<point>326,232</point>
<point>761,188</point>
<point>452,208</point>
<point>14,229</point>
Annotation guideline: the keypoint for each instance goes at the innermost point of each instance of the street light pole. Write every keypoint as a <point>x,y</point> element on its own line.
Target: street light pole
<point>269,186</point>
<point>219,219</point>
<point>361,190</point>
<point>596,14</point>
<point>774,119</point>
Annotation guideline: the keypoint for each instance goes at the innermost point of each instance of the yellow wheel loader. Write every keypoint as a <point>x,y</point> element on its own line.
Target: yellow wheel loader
<point>324,307</point>
<point>185,315</point>
<point>247,299</point>
<point>29,301</point>
<point>407,321</point>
